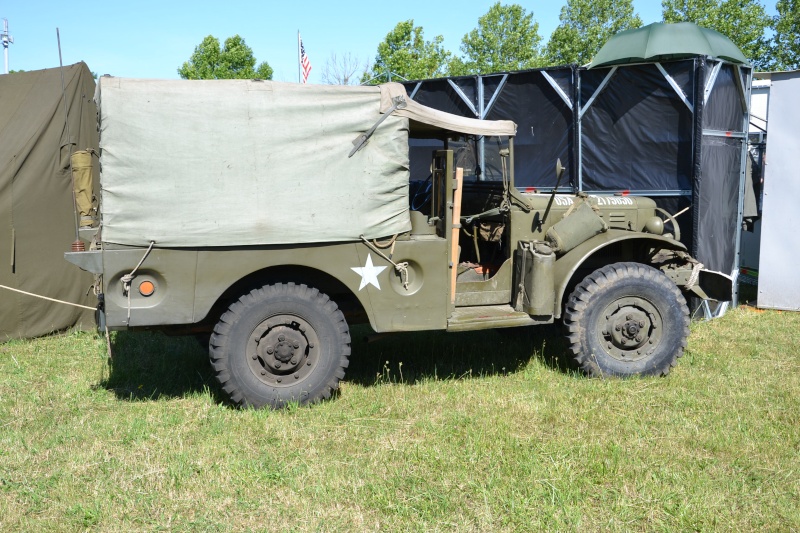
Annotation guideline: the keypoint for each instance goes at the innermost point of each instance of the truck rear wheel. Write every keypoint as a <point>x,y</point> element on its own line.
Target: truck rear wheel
<point>278,344</point>
<point>626,319</point>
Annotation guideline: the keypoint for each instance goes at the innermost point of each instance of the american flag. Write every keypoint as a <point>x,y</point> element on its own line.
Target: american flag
<point>305,64</point>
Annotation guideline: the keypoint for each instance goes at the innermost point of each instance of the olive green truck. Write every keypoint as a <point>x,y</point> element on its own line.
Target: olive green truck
<point>273,216</point>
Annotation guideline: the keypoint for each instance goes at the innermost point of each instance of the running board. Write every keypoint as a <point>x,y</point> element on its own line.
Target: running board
<point>491,316</point>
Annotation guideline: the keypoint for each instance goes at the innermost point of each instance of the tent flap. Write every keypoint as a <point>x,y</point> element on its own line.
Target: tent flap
<point>439,119</point>
<point>36,208</point>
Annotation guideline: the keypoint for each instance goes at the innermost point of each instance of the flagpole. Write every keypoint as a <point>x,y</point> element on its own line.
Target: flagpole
<point>299,66</point>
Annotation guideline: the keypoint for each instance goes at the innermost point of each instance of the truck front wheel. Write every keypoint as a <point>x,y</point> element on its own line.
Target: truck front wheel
<point>626,319</point>
<point>278,344</point>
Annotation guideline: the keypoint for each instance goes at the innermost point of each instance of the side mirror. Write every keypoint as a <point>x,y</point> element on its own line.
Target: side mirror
<point>559,169</point>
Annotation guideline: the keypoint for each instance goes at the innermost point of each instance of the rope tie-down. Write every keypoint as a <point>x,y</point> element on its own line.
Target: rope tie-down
<point>128,278</point>
<point>26,293</point>
<point>401,268</point>
<point>697,266</point>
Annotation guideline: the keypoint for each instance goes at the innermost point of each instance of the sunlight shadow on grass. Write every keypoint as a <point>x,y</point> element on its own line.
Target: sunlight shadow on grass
<point>436,355</point>
<point>152,366</point>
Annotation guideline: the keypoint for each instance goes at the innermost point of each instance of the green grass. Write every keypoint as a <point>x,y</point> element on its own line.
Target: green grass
<point>431,432</point>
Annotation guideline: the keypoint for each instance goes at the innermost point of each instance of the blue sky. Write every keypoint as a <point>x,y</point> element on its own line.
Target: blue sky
<point>147,39</point>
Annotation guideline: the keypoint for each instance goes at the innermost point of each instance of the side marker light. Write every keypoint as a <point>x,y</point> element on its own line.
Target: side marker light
<point>147,288</point>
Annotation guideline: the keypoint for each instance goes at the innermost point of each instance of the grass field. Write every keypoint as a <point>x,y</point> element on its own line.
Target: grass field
<point>431,432</point>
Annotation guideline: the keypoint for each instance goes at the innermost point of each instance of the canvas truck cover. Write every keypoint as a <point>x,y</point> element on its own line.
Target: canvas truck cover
<point>250,162</point>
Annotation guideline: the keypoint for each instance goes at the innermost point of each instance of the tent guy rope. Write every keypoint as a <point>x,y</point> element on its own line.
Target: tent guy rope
<point>46,298</point>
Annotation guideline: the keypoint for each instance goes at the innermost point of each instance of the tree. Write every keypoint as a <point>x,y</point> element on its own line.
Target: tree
<point>585,27</point>
<point>343,70</point>
<point>234,61</point>
<point>507,38</point>
<point>786,41</point>
<point>745,22</point>
<point>406,53</point>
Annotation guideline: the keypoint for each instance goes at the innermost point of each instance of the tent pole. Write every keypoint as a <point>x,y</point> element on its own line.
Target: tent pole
<point>481,142</point>
<point>77,246</point>
<point>746,90</point>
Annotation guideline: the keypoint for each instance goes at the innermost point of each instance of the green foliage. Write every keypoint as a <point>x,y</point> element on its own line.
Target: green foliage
<point>406,54</point>
<point>234,60</point>
<point>507,38</point>
<point>786,41</point>
<point>745,22</point>
<point>585,27</point>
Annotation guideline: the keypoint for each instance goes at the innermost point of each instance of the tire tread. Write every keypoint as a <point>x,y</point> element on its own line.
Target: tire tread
<point>578,305</point>
<point>220,356</point>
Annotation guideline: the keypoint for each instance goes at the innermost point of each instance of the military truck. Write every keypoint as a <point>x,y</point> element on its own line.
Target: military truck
<point>273,216</point>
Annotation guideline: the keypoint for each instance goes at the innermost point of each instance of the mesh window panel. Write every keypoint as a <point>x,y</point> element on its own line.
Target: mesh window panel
<point>439,94</point>
<point>723,109</point>
<point>718,203</point>
<point>544,127</point>
<point>637,134</point>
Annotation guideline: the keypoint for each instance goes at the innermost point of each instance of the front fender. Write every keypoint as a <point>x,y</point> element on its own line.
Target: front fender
<point>569,263</point>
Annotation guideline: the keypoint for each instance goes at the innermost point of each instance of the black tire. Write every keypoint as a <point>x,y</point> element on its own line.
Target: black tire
<point>278,344</point>
<point>626,319</point>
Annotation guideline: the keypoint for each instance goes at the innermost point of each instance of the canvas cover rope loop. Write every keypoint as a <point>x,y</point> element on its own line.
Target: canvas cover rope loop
<point>401,268</point>
<point>697,266</point>
<point>128,278</point>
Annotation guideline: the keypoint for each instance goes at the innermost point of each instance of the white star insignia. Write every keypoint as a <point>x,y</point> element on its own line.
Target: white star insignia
<point>369,273</point>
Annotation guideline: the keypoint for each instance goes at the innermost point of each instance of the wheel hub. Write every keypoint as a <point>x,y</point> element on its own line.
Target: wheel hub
<point>633,328</point>
<point>282,350</point>
<point>285,348</point>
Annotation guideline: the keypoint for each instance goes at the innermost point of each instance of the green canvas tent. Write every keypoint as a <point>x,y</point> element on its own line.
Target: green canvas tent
<point>37,221</point>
